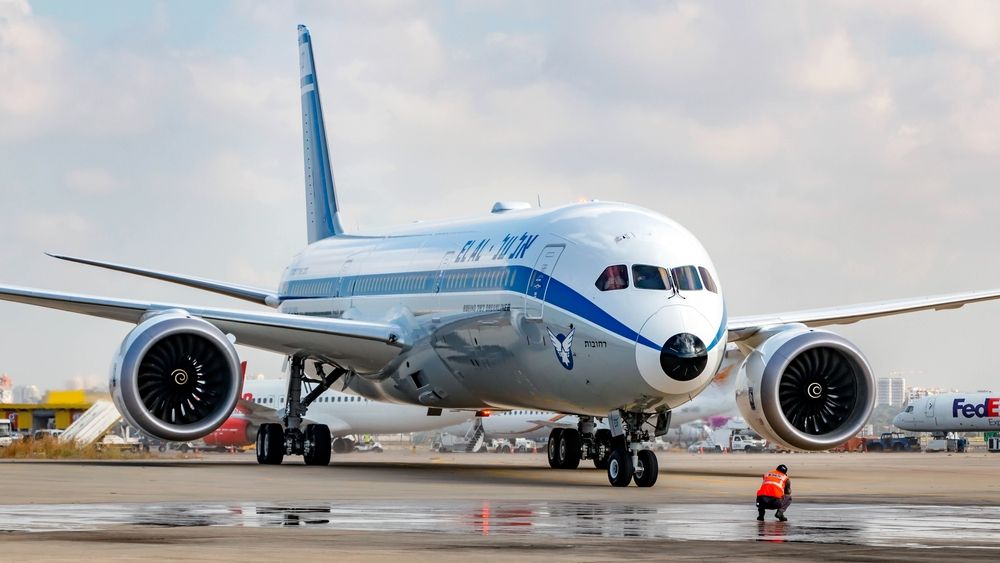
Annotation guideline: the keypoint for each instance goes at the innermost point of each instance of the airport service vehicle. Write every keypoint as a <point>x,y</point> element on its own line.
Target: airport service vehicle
<point>602,310</point>
<point>263,400</point>
<point>951,412</point>
<point>893,442</point>
<point>520,445</point>
<point>6,434</point>
<point>737,442</point>
<point>705,446</point>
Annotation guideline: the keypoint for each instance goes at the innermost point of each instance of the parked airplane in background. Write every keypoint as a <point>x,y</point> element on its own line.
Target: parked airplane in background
<point>603,310</point>
<point>344,414</point>
<point>952,412</point>
<point>718,400</point>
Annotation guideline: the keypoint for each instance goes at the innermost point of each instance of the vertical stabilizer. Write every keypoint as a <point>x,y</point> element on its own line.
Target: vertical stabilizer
<point>322,211</point>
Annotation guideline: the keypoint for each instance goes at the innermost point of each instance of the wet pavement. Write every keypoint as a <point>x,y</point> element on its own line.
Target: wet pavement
<point>913,526</point>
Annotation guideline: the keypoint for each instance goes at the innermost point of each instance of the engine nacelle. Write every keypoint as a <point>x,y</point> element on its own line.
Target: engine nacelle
<point>807,389</point>
<point>176,377</point>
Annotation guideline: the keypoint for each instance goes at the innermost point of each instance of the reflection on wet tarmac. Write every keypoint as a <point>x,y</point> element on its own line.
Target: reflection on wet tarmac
<point>877,525</point>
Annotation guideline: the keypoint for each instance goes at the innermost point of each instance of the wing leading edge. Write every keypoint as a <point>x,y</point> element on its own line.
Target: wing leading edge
<point>361,345</point>
<point>745,327</point>
<point>247,293</point>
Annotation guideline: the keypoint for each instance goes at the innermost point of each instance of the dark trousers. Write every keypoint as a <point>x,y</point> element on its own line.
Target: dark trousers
<point>773,503</point>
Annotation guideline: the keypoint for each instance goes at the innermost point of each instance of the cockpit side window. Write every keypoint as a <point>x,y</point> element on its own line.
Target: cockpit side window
<point>650,277</point>
<point>909,408</point>
<point>687,278</point>
<point>613,277</point>
<point>706,278</point>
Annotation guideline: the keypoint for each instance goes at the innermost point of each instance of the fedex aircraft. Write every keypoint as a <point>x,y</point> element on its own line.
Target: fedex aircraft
<point>951,412</point>
<point>344,414</point>
<point>602,310</point>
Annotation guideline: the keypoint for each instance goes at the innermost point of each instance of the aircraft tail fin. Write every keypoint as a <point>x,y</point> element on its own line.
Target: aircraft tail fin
<point>322,210</point>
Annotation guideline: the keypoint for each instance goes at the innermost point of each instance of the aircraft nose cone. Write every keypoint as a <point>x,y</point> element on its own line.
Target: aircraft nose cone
<point>672,352</point>
<point>683,357</point>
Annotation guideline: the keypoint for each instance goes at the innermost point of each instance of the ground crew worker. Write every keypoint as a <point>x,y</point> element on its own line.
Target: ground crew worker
<point>775,493</point>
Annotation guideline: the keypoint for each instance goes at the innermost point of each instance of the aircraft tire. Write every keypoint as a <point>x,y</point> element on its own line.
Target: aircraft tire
<point>318,437</point>
<point>552,448</point>
<point>568,453</point>
<point>648,469</point>
<point>270,444</point>
<point>602,440</point>
<point>620,468</point>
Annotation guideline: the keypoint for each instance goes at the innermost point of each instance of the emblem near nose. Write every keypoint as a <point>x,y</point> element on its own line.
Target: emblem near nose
<point>683,357</point>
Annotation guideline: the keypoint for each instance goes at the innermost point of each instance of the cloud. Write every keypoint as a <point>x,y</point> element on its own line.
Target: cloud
<point>831,66</point>
<point>92,181</point>
<point>49,228</point>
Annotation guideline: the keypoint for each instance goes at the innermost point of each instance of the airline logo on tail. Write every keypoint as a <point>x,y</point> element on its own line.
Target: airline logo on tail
<point>989,408</point>
<point>563,345</point>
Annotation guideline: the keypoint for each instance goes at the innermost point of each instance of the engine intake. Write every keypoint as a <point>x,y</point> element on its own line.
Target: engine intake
<point>807,389</point>
<point>176,377</point>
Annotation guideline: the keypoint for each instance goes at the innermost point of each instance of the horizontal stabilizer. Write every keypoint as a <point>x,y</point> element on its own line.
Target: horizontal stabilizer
<point>243,292</point>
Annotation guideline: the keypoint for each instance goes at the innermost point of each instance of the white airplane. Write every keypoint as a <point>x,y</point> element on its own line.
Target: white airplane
<point>951,412</point>
<point>603,310</point>
<point>262,401</point>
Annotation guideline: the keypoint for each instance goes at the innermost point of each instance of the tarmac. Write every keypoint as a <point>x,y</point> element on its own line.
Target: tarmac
<point>422,505</point>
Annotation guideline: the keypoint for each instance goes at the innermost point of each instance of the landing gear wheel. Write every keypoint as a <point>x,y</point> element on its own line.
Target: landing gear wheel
<point>317,446</point>
<point>270,444</point>
<point>647,470</point>
<point>553,447</point>
<point>568,452</point>
<point>620,468</point>
<point>602,450</point>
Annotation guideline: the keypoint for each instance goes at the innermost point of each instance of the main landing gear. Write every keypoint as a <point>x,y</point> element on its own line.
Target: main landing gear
<point>623,450</point>
<point>275,441</point>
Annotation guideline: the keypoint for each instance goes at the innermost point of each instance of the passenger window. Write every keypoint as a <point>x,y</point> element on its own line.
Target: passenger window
<point>687,278</point>
<point>613,277</point>
<point>706,278</point>
<point>650,277</point>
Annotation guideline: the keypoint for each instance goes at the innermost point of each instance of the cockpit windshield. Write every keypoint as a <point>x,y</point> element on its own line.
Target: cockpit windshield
<point>650,277</point>
<point>909,408</point>
<point>687,278</point>
<point>613,277</point>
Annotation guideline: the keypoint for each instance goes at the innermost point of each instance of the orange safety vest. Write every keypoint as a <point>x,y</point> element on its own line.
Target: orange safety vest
<point>774,485</point>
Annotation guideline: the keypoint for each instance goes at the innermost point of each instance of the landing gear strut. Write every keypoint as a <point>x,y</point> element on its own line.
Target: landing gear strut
<point>275,441</point>
<point>623,450</point>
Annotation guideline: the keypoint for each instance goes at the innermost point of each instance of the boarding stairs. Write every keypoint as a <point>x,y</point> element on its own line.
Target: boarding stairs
<point>93,424</point>
<point>474,442</point>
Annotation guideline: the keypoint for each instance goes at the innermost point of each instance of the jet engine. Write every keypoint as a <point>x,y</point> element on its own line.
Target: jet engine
<point>176,377</point>
<point>807,389</point>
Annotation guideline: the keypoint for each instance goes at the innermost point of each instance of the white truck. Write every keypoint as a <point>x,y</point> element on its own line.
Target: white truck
<point>736,441</point>
<point>6,433</point>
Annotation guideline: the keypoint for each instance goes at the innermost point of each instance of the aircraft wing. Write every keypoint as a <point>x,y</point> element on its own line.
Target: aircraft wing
<point>363,346</point>
<point>745,327</point>
<point>261,296</point>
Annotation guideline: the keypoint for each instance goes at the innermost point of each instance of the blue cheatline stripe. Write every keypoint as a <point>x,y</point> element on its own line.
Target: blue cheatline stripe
<point>500,278</point>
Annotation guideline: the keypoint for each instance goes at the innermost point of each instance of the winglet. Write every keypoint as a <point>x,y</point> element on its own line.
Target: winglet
<point>246,293</point>
<point>322,210</point>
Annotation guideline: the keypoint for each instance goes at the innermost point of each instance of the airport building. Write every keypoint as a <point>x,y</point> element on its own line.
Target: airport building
<point>891,391</point>
<point>58,410</point>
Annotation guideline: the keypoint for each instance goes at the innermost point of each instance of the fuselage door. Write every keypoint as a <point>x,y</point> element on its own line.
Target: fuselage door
<point>445,262</point>
<point>541,276</point>
<point>929,409</point>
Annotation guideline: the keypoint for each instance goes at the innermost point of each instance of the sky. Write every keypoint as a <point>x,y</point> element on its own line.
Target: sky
<point>825,153</point>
